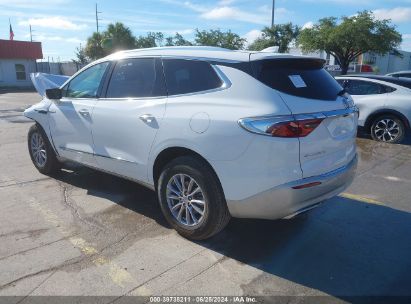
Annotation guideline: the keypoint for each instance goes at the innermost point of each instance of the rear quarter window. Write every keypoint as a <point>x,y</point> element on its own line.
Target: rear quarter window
<point>362,87</point>
<point>189,76</point>
<point>298,77</point>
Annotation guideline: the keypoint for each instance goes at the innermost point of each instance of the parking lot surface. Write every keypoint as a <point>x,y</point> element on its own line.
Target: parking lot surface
<point>82,232</point>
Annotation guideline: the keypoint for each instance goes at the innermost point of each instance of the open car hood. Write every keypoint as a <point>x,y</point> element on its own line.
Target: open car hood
<point>43,81</point>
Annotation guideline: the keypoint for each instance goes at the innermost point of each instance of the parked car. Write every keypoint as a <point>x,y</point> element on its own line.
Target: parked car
<point>405,74</point>
<point>401,81</point>
<point>384,103</point>
<point>217,133</point>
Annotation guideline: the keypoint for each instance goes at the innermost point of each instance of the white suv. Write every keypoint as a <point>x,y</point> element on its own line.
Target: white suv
<point>217,133</point>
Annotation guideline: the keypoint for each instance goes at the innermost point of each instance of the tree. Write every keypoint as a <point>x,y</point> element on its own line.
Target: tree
<point>152,39</point>
<point>93,49</point>
<point>352,37</point>
<point>81,56</point>
<point>117,37</point>
<point>218,38</point>
<point>177,40</point>
<point>280,35</point>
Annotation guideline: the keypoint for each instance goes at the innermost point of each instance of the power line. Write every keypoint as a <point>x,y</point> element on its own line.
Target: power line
<point>97,18</point>
<point>272,14</point>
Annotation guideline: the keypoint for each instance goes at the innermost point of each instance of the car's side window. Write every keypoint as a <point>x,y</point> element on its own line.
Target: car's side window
<point>388,89</point>
<point>189,76</point>
<point>343,83</point>
<point>137,77</point>
<point>87,83</point>
<point>360,87</point>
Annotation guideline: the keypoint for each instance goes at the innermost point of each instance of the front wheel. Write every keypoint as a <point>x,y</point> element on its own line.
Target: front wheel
<point>41,151</point>
<point>191,198</point>
<point>388,128</point>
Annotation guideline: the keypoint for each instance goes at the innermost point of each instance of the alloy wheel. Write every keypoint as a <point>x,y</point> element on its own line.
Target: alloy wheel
<point>386,130</point>
<point>186,200</point>
<point>38,149</point>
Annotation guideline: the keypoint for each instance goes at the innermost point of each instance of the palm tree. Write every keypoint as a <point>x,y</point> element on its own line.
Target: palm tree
<point>94,49</point>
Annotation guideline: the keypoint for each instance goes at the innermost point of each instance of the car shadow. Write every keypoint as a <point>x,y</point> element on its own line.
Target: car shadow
<point>345,248</point>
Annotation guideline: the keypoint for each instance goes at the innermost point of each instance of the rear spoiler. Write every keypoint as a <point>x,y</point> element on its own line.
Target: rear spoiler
<point>43,81</point>
<point>288,59</point>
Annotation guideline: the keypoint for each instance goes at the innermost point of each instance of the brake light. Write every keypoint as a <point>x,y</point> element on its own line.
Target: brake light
<point>294,128</point>
<point>285,126</point>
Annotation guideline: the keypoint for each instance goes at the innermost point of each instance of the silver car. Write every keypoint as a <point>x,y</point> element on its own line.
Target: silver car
<point>384,103</point>
<point>405,74</point>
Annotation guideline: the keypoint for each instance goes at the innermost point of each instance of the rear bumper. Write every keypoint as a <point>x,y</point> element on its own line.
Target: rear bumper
<point>283,201</point>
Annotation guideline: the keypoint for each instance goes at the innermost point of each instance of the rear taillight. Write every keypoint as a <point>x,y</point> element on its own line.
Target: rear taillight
<point>284,126</point>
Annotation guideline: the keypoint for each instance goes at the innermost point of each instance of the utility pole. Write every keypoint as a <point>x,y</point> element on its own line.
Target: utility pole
<point>97,18</point>
<point>272,14</point>
<point>31,34</point>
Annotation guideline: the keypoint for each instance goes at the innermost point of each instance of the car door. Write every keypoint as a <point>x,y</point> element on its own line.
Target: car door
<point>71,117</point>
<point>126,120</point>
<point>368,96</point>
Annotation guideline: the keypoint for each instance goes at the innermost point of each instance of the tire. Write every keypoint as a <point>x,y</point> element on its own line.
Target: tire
<point>215,215</point>
<point>45,159</point>
<point>388,128</point>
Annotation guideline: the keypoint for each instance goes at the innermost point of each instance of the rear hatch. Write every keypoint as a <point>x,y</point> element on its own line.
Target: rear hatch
<point>309,91</point>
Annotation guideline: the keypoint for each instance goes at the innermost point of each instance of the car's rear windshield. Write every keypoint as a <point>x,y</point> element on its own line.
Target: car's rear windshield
<point>297,76</point>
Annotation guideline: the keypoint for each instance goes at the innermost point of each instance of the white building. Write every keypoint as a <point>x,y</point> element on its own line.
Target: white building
<point>384,64</point>
<point>388,63</point>
<point>17,61</point>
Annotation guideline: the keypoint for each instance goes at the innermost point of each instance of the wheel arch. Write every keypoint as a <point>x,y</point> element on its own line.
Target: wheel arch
<point>375,114</point>
<point>46,130</point>
<point>170,153</point>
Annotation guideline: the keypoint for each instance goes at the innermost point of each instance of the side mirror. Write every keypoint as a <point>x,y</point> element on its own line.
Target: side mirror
<point>54,93</point>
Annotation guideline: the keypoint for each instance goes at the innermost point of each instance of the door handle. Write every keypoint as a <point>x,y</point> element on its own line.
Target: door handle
<point>84,113</point>
<point>148,118</point>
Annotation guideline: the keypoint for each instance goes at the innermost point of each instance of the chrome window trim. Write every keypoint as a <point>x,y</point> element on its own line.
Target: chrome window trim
<point>249,122</point>
<point>132,98</point>
<point>69,99</point>
<point>226,83</point>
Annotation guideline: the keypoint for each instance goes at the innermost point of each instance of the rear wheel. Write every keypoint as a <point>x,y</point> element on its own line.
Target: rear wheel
<point>388,128</point>
<point>41,151</point>
<point>191,198</point>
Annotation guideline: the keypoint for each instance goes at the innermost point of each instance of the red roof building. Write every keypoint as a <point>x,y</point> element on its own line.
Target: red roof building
<point>13,49</point>
<point>17,61</point>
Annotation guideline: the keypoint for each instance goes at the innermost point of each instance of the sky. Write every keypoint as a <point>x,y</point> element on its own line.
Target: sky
<point>62,25</point>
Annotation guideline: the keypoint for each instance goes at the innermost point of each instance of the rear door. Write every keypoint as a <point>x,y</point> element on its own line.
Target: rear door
<point>311,92</point>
